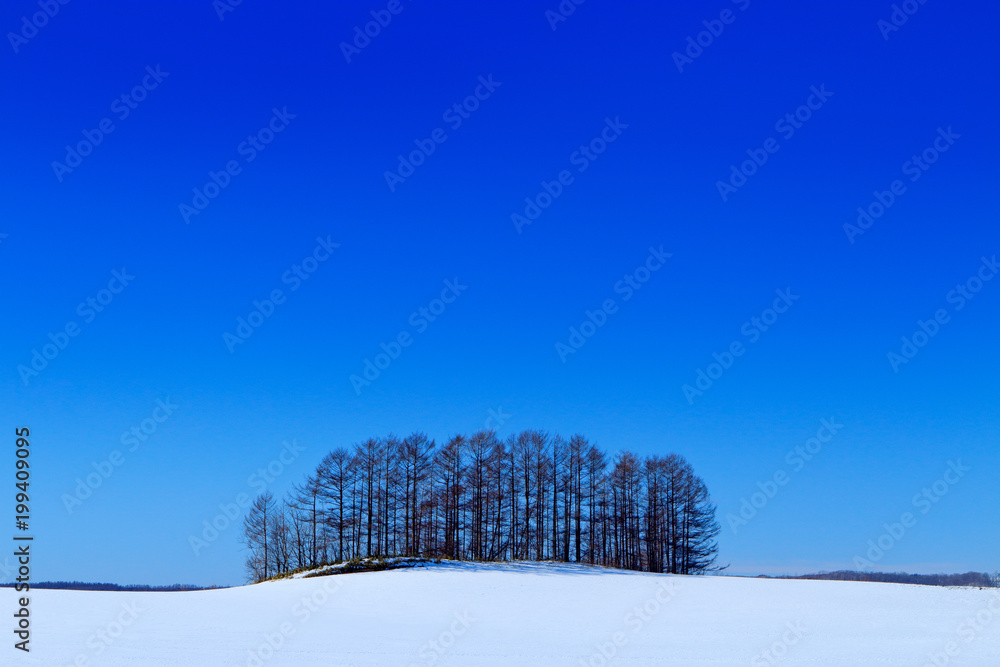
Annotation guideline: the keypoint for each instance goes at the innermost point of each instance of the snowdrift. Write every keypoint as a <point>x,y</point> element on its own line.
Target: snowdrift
<point>518,614</point>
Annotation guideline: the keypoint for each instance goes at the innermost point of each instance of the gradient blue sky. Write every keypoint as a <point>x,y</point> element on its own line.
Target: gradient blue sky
<point>494,348</point>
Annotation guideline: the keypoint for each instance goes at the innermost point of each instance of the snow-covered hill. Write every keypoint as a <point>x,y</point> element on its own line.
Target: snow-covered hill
<point>517,614</point>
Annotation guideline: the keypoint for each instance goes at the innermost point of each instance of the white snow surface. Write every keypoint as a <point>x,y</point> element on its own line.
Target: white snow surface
<point>515,614</point>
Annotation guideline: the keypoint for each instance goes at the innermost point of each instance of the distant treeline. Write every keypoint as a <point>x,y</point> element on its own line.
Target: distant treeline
<point>529,496</point>
<point>83,586</point>
<point>968,579</point>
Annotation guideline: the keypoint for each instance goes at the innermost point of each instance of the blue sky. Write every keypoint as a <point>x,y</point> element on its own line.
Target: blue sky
<point>211,87</point>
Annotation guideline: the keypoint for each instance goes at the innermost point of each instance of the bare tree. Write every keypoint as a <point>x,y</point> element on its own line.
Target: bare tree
<point>334,489</point>
<point>528,496</point>
<point>279,539</point>
<point>256,529</point>
<point>305,503</point>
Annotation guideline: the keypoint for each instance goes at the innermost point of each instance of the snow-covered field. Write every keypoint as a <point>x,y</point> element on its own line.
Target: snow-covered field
<point>517,614</point>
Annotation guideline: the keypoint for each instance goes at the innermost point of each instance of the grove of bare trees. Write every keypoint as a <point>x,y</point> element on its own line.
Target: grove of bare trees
<point>529,496</point>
